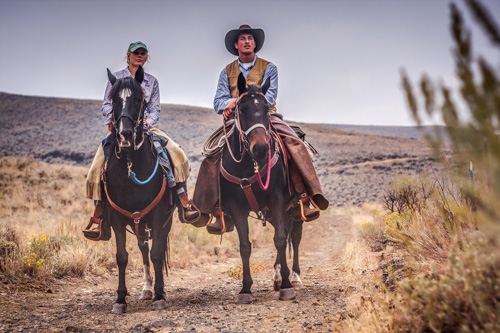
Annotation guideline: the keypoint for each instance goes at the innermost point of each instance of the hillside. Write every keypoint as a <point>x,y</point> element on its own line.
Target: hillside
<point>353,167</point>
<point>412,132</point>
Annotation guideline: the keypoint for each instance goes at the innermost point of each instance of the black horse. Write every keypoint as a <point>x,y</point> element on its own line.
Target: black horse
<point>144,205</point>
<point>253,157</point>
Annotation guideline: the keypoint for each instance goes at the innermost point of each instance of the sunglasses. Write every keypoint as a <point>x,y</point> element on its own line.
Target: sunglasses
<point>142,53</point>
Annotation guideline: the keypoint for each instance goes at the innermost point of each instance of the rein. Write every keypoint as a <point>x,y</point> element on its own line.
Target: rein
<point>256,166</point>
<point>246,183</point>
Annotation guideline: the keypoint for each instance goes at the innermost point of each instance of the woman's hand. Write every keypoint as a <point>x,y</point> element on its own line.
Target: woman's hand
<point>146,123</point>
<point>110,127</point>
<point>229,110</point>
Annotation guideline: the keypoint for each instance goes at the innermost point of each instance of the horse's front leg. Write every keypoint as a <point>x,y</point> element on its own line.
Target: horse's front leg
<point>296,235</point>
<point>147,289</point>
<point>241,223</point>
<point>277,280</point>
<point>122,260</point>
<point>161,227</point>
<point>280,241</point>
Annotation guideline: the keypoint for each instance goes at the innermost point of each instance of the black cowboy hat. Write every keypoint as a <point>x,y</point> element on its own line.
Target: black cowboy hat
<point>231,36</point>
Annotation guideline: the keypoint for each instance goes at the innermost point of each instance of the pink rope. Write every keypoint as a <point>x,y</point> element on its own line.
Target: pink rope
<point>268,169</point>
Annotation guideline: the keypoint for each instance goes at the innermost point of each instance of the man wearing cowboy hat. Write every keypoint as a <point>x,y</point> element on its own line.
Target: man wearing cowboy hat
<point>245,42</point>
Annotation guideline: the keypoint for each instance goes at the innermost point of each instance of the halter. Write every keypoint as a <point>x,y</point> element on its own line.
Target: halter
<point>243,136</point>
<point>137,124</point>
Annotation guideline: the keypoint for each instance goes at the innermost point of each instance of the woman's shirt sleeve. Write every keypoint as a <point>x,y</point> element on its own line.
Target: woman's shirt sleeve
<point>107,106</point>
<point>152,112</point>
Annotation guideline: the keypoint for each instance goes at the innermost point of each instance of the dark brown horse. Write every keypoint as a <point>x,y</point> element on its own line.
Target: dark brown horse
<point>144,205</point>
<point>254,178</point>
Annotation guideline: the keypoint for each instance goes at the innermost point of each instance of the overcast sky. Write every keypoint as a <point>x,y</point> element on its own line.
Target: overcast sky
<point>338,61</point>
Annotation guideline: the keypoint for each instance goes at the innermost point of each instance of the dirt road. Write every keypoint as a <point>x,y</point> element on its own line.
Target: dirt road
<point>200,299</point>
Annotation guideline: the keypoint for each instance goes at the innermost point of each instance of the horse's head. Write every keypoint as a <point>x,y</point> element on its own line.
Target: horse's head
<point>252,118</point>
<point>128,106</point>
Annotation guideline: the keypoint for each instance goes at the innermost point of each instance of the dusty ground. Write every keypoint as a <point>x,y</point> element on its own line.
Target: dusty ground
<point>199,299</point>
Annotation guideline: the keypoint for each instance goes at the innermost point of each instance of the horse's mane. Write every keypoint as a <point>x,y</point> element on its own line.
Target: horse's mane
<point>124,83</point>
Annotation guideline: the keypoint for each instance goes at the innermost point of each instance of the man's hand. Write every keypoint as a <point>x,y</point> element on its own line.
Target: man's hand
<point>229,110</point>
<point>146,123</point>
<point>110,127</point>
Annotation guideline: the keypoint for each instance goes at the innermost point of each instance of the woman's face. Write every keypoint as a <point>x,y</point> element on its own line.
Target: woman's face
<point>138,57</point>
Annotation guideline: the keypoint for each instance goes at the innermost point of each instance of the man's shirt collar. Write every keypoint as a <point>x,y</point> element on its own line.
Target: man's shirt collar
<point>251,66</point>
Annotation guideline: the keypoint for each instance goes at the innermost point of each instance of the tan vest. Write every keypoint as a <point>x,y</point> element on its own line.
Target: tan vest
<point>255,77</point>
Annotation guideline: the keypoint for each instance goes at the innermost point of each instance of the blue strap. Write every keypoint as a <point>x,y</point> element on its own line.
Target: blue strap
<point>137,181</point>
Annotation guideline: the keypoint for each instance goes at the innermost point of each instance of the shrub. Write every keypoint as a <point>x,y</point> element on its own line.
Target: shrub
<point>36,253</point>
<point>449,234</point>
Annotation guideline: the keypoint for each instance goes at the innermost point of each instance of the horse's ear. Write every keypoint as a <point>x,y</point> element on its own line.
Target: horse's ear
<point>242,83</point>
<point>111,77</point>
<point>266,86</point>
<point>139,75</point>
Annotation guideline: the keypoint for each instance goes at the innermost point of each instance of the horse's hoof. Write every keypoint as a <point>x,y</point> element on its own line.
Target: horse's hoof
<point>287,294</point>
<point>296,281</point>
<point>119,308</point>
<point>146,294</point>
<point>277,285</point>
<point>297,285</point>
<point>160,304</point>
<point>244,299</point>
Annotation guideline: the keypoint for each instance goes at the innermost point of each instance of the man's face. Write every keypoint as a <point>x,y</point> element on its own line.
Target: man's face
<point>245,43</point>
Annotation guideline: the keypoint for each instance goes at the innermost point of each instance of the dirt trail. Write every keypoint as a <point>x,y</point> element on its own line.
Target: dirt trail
<point>200,299</point>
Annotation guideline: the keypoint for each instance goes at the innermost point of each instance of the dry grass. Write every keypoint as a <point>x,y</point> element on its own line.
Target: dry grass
<point>426,269</point>
<point>43,210</point>
<point>255,267</point>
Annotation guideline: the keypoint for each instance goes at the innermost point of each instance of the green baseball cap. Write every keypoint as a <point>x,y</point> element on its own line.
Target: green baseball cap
<point>137,45</point>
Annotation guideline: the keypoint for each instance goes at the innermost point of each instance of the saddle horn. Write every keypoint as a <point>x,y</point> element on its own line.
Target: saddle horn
<point>111,77</point>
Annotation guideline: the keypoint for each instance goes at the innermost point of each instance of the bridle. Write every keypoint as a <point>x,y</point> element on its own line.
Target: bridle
<point>137,122</point>
<point>243,135</point>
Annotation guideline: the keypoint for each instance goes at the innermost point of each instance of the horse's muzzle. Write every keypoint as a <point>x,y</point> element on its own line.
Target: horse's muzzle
<point>123,142</point>
<point>260,151</point>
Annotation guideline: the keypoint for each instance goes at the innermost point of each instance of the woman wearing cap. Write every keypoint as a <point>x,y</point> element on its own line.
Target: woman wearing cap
<point>244,43</point>
<point>178,167</point>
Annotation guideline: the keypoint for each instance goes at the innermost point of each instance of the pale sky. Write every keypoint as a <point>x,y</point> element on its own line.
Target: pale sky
<point>338,61</point>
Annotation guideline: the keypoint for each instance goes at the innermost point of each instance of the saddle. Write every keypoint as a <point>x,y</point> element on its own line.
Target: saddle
<point>207,193</point>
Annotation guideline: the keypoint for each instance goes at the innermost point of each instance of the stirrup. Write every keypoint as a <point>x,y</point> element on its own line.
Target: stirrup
<point>214,231</point>
<point>182,217</point>
<point>303,217</point>
<point>101,233</point>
